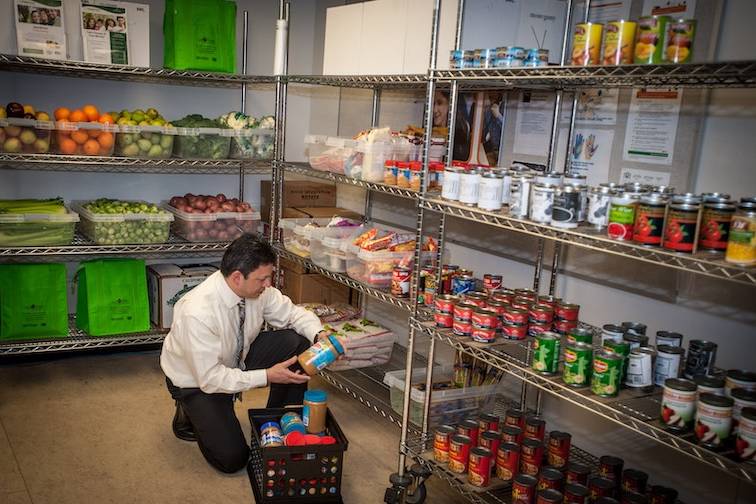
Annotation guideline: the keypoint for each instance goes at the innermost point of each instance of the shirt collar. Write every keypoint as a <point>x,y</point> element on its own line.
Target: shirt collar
<point>229,297</point>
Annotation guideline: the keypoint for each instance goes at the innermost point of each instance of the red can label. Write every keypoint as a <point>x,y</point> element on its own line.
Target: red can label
<point>511,433</point>
<point>483,334</point>
<point>541,314</point>
<point>531,457</point>
<point>400,282</point>
<point>564,326</point>
<point>472,430</point>
<point>461,328</point>
<point>515,418</point>
<point>535,428</point>
<point>516,316</point>
<point>559,450</point>
<point>491,282</point>
<point>548,301</point>
<point>491,440</point>
<point>504,296</point>
<point>445,304</point>
<point>485,319</point>
<point>545,482</point>
<point>535,329</point>
<point>523,493</point>
<point>459,454</point>
<point>464,310</point>
<point>680,230</point>
<point>649,224</point>
<point>441,444</point>
<point>444,320</point>
<point>479,302</point>
<point>565,311</point>
<point>507,461</point>
<point>514,331</point>
<point>479,467</point>
<point>522,303</point>
<point>577,477</point>
<point>497,307</point>
<point>715,229</point>
<point>486,424</point>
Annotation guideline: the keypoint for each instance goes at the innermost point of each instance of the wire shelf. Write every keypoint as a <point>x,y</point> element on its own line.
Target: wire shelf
<point>304,169</point>
<point>401,81</point>
<point>701,263</point>
<point>58,162</point>
<point>79,69</point>
<point>634,410</point>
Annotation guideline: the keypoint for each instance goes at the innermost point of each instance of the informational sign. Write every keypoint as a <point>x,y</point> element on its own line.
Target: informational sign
<point>598,106</point>
<point>40,30</point>
<point>104,32</point>
<point>604,10</point>
<point>533,124</point>
<point>644,176</point>
<point>652,126</point>
<point>591,154</point>
<point>675,8</point>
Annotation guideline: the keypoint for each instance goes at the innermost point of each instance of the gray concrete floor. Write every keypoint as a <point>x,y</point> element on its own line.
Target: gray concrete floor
<point>96,428</point>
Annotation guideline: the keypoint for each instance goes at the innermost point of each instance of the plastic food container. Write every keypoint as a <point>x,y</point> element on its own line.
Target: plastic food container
<point>121,229</point>
<point>368,163</point>
<point>255,143</point>
<point>37,229</point>
<point>152,142</point>
<point>222,226</point>
<point>27,136</point>
<point>297,234</point>
<point>327,246</point>
<point>315,146</point>
<point>84,138</point>
<point>202,143</point>
<point>375,268</point>
<point>449,406</point>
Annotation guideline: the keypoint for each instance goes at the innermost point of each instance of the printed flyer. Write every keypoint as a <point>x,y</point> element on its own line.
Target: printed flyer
<point>104,31</point>
<point>40,30</point>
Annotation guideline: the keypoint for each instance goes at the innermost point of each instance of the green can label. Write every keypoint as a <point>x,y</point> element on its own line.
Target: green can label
<point>621,348</point>
<point>579,336</point>
<point>546,353</point>
<point>577,366</point>
<point>607,372</point>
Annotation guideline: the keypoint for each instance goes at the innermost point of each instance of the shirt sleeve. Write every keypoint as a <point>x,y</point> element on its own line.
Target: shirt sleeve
<point>280,312</point>
<point>203,350</point>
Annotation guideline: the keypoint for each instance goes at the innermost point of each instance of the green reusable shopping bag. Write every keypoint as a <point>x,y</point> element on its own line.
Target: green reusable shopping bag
<point>33,301</point>
<point>111,297</point>
<point>200,35</point>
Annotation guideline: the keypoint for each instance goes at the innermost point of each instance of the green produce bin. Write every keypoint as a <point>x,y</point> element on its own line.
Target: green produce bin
<point>33,301</point>
<point>111,297</point>
<point>123,228</point>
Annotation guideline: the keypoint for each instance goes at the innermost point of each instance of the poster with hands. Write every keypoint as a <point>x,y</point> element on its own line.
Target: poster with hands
<point>591,154</point>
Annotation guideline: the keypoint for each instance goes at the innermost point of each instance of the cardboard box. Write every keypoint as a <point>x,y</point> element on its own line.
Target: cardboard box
<point>298,193</point>
<point>313,288</point>
<point>167,283</point>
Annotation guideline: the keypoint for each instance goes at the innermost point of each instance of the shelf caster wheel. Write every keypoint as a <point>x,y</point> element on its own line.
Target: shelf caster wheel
<point>399,484</point>
<point>417,492</point>
<point>418,497</point>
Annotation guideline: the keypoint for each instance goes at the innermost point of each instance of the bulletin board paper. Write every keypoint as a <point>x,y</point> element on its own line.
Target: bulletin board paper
<point>592,154</point>
<point>652,126</point>
<point>533,123</point>
<point>598,107</point>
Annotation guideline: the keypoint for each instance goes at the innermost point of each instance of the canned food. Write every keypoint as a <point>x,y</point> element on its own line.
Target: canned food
<point>607,372</point>
<point>668,338</point>
<point>681,227</point>
<point>479,299</point>
<point>490,439</point>
<point>516,316</point>
<point>485,319</point>
<point>552,478</point>
<point>622,349</point>
<point>549,301</point>
<point>507,461</point>
<point>679,40</point>
<point>441,439</point>
<point>535,428</point>
<point>564,326</point>
<point>489,191</point>
<point>546,353</point>
<point>459,453</point>
<point>619,42</point>
<point>640,366</point>
<point>456,59</point>
<point>541,202</point>
<point>559,449</point>
<point>637,328</point>
<point>541,314</point>
<point>461,327</point>
<point>678,404</point>
<point>567,311</point>
<point>531,456</point>
<point>491,282</point>
<point>487,58</point>
<point>511,434</point>
<point>520,195</point>
<point>567,207</point>
<point>549,495</point>
<point>741,247</point>
<point>709,384</point>
<point>536,329</point>
<point>468,58</point>
<point>462,284</point>
<point>524,489</point>
<point>649,40</point>
<point>586,44</point>
<point>578,364</point>
<point>713,420</point>
<point>598,205</point>
<point>701,357</point>
<point>739,378</point>
<point>469,186</point>
<point>601,487</point>
<point>400,282</point>
<point>469,428</point>
<point>580,335</point>
<point>450,188</point>
<point>526,293</point>
<point>634,480</point>
<point>668,360</point>
<point>483,334</point>
<point>463,310</point>
<point>515,417</point>
<point>662,495</point>
<point>611,468</point>
<point>443,320</point>
<point>498,307</point>
<point>575,493</point>
<point>635,340</point>
<point>577,474</point>
<point>649,219</point>
<point>522,303</point>
<point>504,295</point>
<point>745,443</point>
<point>715,226</point>
<point>445,303</point>
<point>612,332</point>
<point>622,216</point>
<point>479,468</point>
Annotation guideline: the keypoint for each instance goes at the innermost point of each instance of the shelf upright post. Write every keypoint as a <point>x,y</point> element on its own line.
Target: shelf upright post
<point>430,91</point>
<point>277,178</point>
<point>245,40</point>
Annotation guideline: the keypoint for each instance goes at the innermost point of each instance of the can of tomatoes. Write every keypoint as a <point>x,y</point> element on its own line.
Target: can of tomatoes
<point>622,216</point>
<point>471,429</point>
<point>541,314</point>
<point>479,468</point>
<point>441,439</point>
<point>536,329</point>
<point>577,474</point>
<point>681,227</point>
<point>567,311</point>
<point>550,301</point>
<point>488,422</point>
<point>459,453</point>
<point>479,299</point>
<point>535,428</point>
<point>511,434</point>
<point>524,488</point>
<point>463,310</point>
<point>546,353</point>
<point>485,319</point>
<point>526,293</point>
<point>634,480</point>
<point>575,493</point>
<point>443,320</point>
<point>504,295</point>
<point>491,440</point>
<point>649,219</point>
<point>550,478</point>
<point>531,456</point>
<point>564,326</point>
<point>611,468</point>
<point>461,327</point>
<point>491,282</point>
<point>601,487</point>
<point>522,303</point>
<point>715,225</point>
<point>558,454</point>
<point>513,331</point>
<point>483,334</point>
<point>516,316</point>
<point>507,461</point>
<point>445,303</point>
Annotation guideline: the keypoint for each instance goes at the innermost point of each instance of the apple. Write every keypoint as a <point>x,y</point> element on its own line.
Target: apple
<point>13,131</point>
<point>41,145</point>
<point>27,136</point>
<point>12,145</point>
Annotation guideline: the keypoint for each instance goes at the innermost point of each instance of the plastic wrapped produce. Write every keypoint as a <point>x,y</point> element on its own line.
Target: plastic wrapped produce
<point>366,343</point>
<point>250,138</point>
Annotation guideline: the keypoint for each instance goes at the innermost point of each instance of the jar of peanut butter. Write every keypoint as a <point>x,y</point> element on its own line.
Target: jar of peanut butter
<point>314,411</point>
<point>321,354</point>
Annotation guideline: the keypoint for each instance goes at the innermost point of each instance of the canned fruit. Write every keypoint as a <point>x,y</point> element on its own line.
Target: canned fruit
<point>679,40</point>
<point>619,42</point>
<point>678,404</point>
<point>586,44</point>
<point>741,246</point>
<point>607,373</point>
<point>546,353</point>
<point>713,420</point>
<point>578,364</point>
<point>649,40</point>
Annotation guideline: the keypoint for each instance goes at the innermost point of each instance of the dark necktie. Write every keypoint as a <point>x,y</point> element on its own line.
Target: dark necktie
<point>240,335</point>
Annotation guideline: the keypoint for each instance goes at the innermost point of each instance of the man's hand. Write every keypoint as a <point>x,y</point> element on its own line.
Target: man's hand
<point>280,373</point>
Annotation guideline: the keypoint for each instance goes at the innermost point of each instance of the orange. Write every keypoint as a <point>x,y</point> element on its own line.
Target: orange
<point>105,152</point>
<point>91,148</point>
<point>67,146</point>
<point>106,119</point>
<point>79,136</point>
<point>62,113</point>
<point>105,139</point>
<point>94,133</point>
<point>91,112</point>
<point>77,116</point>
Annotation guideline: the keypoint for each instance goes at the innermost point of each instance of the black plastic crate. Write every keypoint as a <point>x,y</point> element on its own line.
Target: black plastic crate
<point>292,474</point>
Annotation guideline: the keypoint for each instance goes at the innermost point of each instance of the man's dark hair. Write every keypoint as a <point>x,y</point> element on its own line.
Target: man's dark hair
<point>246,254</point>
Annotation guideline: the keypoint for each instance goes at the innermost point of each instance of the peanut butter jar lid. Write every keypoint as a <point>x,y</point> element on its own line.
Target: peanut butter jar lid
<point>336,343</point>
<point>316,396</point>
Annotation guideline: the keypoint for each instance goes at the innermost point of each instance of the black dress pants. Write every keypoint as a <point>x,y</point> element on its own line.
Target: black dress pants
<point>218,432</point>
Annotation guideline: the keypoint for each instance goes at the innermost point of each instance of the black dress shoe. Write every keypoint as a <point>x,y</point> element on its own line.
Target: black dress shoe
<point>182,427</point>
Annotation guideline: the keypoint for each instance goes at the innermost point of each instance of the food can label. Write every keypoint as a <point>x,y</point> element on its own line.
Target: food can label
<point>639,373</point>
<point>541,203</point>
<point>741,247</point>
<point>619,41</point>
<point>621,221</point>
<point>450,188</point>
<point>598,208</point>
<point>649,224</point>
<point>667,366</point>
<point>566,210</point>
<point>713,424</point>
<point>678,408</point>
<point>577,367</point>
<point>679,41</point>
<point>586,44</point>
<point>715,229</point>
<point>745,443</point>
<point>606,376</point>
<point>489,197</point>
<point>680,230</point>
<point>649,42</point>
<point>545,355</point>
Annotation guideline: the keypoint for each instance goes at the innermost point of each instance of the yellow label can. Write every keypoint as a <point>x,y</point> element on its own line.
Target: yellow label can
<point>649,41</point>
<point>679,40</point>
<point>619,42</point>
<point>586,44</point>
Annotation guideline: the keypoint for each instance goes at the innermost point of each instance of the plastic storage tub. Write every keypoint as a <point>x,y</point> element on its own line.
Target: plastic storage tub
<point>375,268</point>
<point>327,246</point>
<point>25,136</point>
<point>254,143</point>
<point>121,229</point>
<point>333,154</point>
<point>84,138</point>
<point>152,142</point>
<point>449,406</point>
<point>202,143</point>
<point>369,161</point>
<point>297,234</point>
<point>222,226</point>
<point>37,229</point>
<point>315,147</point>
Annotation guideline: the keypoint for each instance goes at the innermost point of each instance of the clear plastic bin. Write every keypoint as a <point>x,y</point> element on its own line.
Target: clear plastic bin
<point>222,226</point>
<point>202,143</point>
<point>315,146</point>
<point>449,406</point>
<point>327,246</point>
<point>152,142</point>
<point>253,143</point>
<point>297,233</point>
<point>25,136</point>
<point>84,138</point>
<point>369,160</point>
<point>122,229</point>
<point>375,268</point>
<point>37,229</point>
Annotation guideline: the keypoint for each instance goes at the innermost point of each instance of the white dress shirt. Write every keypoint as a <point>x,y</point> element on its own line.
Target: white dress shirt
<point>201,348</point>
